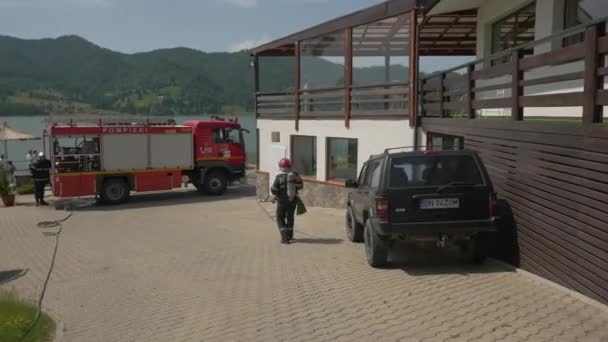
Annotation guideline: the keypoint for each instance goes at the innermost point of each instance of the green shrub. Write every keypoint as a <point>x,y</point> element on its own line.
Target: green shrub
<point>5,186</point>
<point>27,188</point>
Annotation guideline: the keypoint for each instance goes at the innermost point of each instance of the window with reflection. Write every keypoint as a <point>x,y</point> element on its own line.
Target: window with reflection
<point>380,51</point>
<point>514,30</point>
<point>322,62</point>
<point>341,159</point>
<point>304,155</point>
<point>577,12</point>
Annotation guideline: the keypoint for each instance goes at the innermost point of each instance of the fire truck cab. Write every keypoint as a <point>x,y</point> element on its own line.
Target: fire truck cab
<point>111,159</point>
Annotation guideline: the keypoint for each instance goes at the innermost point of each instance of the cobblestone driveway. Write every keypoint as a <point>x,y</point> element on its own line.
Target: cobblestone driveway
<point>190,268</point>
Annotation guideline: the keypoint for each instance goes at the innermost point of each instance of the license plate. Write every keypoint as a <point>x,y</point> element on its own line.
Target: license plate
<point>440,203</point>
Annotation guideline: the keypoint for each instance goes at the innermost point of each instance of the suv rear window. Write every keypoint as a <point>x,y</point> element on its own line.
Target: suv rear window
<point>437,170</point>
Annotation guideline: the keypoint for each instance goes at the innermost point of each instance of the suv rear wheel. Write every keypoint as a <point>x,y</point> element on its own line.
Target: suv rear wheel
<point>376,250</point>
<point>354,230</point>
<point>476,250</point>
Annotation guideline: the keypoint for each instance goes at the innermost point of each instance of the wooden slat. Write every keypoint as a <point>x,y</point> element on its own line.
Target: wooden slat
<point>380,113</point>
<point>369,92</point>
<point>331,94</point>
<point>591,111</point>
<point>278,98</point>
<point>557,210</point>
<point>602,97</point>
<point>602,45</point>
<point>319,113</point>
<point>603,71</point>
<point>565,55</point>
<point>591,254</point>
<point>553,79</point>
<point>275,111</point>
<point>553,100</point>
<point>492,87</point>
<point>492,72</point>
<point>492,103</point>
<point>404,100</point>
<point>517,113</point>
<point>552,220</point>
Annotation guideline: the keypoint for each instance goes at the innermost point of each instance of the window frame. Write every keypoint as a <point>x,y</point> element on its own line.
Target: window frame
<point>328,155</point>
<point>292,154</point>
<point>511,14</point>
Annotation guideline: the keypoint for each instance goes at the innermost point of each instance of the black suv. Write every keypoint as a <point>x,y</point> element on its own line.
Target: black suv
<point>440,197</point>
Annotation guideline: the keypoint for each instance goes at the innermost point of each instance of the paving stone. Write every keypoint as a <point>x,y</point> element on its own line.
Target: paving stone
<point>180,267</point>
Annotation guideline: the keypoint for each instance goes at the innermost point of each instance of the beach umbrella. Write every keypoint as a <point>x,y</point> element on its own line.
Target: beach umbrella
<point>10,134</point>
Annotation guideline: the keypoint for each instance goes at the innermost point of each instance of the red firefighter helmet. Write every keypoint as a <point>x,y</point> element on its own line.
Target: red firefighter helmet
<point>285,163</point>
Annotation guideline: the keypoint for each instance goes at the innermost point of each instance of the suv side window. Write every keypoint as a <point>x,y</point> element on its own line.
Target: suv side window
<point>361,180</point>
<point>372,171</point>
<point>375,177</point>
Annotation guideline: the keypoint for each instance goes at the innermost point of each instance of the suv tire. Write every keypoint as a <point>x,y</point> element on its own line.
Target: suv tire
<point>354,229</point>
<point>477,249</point>
<point>115,191</point>
<point>376,250</point>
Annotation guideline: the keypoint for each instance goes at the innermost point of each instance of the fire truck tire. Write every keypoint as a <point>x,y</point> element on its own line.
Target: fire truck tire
<point>215,183</point>
<point>115,191</point>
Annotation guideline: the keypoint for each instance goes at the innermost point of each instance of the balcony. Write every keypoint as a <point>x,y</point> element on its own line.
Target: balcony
<point>556,79</point>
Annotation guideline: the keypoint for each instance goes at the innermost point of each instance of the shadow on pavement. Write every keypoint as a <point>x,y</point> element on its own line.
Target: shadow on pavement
<point>319,241</point>
<point>418,261</point>
<point>161,199</point>
<point>8,276</point>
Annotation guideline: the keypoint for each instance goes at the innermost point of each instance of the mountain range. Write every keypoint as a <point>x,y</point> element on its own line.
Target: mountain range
<point>72,75</point>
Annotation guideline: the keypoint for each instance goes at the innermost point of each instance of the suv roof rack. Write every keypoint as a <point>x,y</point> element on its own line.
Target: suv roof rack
<point>423,148</point>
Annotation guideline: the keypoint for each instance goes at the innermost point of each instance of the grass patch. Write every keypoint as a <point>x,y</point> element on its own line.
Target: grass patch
<point>27,188</point>
<point>16,315</point>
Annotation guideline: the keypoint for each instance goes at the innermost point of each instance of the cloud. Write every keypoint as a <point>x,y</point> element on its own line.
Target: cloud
<point>249,44</point>
<point>243,3</point>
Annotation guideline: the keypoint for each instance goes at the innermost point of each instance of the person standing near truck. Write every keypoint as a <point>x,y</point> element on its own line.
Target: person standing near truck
<point>41,175</point>
<point>285,188</point>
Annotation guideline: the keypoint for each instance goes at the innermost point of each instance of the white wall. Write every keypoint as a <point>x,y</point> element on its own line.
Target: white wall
<point>373,137</point>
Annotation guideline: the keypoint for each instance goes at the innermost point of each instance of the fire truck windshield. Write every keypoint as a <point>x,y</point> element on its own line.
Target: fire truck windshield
<point>228,135</point>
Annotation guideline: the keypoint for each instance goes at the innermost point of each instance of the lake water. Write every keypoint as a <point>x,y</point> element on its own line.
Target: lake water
<point>36,124</point>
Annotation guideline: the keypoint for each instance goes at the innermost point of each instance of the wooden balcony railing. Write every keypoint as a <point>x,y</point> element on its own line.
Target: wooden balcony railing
<point>376,100</point>
<point>518,80</point>
<point>379,100</point>
<point>276,105</point>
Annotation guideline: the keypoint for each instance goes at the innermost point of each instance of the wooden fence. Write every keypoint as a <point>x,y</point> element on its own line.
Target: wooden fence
<point>552,172</point>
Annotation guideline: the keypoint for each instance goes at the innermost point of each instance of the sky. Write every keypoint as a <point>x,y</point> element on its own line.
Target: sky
<point>143,25</point>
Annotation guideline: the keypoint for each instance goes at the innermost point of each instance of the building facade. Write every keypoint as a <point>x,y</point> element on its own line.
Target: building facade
<point>530,99</point>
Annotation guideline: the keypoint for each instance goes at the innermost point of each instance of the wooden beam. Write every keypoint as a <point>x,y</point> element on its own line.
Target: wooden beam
<point>441,95</point>
<point>470,95</point>
<point>348,74</point>
<point>592,112</point>
<point>413,69</point>
<point>256,81</point>
<point>517,111</point>
<point>297,85</point>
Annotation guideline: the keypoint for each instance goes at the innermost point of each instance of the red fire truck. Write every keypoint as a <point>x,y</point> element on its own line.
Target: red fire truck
<point>112,158</point>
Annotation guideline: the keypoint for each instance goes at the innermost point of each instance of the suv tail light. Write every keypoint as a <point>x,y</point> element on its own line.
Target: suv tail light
<point>493,204</point>
<point>382,208</point>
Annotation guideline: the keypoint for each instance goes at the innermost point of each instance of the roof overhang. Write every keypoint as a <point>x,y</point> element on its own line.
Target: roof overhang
<point>285,46</point>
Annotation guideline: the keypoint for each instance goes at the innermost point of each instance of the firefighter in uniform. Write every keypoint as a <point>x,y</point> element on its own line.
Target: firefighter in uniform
<point>285,189</point>
<point>41,176</point>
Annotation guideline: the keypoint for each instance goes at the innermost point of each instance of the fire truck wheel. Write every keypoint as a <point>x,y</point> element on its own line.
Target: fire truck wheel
<point>215,183</point>
<point>115,191</point>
